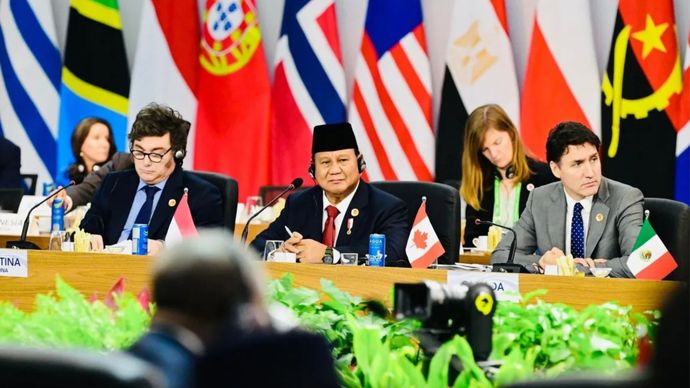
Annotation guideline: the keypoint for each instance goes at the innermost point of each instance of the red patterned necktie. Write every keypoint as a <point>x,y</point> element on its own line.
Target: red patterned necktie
<point>329,226</point>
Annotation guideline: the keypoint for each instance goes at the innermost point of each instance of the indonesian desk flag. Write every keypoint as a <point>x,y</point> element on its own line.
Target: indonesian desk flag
<point>423,246</point>
<point>650,259</point>
<point>182,224</point>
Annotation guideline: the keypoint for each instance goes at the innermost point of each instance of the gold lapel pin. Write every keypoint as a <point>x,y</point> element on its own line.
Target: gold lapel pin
<point>172,203</point>
<point>354,212</point>
<point>350,222</point>
<point>599,217</point>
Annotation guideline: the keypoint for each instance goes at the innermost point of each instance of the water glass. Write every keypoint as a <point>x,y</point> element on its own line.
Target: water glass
<point>270,248</point>
<point>349,258</point>
<point>60,241</point>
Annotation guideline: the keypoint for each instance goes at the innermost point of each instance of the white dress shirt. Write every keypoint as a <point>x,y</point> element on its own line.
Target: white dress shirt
<point>342,208</point>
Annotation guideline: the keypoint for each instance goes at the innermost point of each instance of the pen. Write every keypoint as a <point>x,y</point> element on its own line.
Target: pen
<point>288,230</point>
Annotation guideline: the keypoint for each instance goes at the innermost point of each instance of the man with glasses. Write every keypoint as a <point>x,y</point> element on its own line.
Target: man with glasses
<point>150,193</point>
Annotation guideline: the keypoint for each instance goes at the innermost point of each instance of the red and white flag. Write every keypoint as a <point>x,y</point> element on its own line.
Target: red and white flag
<point>562,80</point>
<point>166,63</point>
<point>423,245</point>
<point>182,224</point>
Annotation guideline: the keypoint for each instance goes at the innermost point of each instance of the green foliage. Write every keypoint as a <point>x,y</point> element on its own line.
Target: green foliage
<point>67,319</point>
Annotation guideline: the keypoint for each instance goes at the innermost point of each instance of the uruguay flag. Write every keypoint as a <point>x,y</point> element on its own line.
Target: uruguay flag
<point>30,83</point>
<point>309,84</point>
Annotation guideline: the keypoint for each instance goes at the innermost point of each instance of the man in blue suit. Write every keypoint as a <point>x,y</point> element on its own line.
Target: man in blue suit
<point>341,212</point>
<point>150,193</point>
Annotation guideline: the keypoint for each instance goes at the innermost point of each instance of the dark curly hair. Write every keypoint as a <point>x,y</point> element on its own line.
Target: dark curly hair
<point>157,120</point>
<point>566,134</point>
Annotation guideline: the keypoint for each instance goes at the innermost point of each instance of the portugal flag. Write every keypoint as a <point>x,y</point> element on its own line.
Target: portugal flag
<point>641,98</point>
<point>233,96</point>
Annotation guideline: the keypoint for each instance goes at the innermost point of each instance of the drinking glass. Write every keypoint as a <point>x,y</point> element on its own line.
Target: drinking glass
<point>349,258</point>
<point>270,248</point>
<point>59,241</point>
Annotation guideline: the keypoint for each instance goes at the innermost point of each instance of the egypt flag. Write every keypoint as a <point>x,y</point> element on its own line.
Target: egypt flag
<point>308,85</point>
<point>641,98</point>
<point>650,259</point>
<point>182,224</point>
<point>30,66</point>
<point>166,61</point>
<point>390,111</point>
<point>232,122</point>
<point>479,70</point>
<point>683,138</point>
<point>423,246</point>
<point>562,79</point>
<point>95,75</point>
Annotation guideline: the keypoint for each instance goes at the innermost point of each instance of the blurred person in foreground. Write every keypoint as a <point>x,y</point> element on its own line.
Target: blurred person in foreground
<point>497,174</point>
<point>593,218</point>
<point>341,211</point>
<point>149,194</point>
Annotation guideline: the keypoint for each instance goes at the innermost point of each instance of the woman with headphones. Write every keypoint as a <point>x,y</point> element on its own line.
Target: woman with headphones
<point>92,146</point>
<point>497,175</point>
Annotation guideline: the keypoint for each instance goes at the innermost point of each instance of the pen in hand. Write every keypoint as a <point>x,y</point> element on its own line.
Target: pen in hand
<point>288,230</point>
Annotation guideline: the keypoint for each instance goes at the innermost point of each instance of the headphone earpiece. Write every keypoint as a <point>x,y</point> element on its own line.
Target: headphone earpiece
<point>311,171</point>
<point>179,154</point>
<point>510,173</point>
<point>361,163</point>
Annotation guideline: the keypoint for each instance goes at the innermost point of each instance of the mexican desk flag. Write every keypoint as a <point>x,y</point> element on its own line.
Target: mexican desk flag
<point>650,259</point>
<point>423,245</point>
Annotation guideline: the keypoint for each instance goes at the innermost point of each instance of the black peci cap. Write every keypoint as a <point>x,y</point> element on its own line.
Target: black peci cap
<point>332,137</point>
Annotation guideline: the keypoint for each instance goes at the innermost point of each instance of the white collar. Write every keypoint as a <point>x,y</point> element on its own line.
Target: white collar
<point>586,202</point>
<point>344,204</point>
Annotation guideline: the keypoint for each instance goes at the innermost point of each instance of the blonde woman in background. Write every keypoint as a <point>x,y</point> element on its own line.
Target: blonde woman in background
<point>497,174</point>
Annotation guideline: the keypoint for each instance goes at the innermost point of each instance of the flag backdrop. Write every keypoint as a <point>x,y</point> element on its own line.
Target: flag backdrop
<point>30,83</point>
<point>390,110</point>
<point>479,70</point>
<point>641,97</point>
<point>232,123</point>
<point>166,62</point>
<point>683,138</point>
<point>95,75</point>
<point>308,84</point>
<point>562,77</point>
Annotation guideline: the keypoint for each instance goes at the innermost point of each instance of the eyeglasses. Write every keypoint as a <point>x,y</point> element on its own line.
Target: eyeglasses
<point>153,157</point>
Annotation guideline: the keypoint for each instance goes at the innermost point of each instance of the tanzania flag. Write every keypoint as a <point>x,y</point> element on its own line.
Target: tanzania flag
<point>95,76</point>
<point>640,98</point>
<point>650,259</point>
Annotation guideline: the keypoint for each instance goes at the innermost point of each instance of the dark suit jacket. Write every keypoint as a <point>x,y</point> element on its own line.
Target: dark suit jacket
<point>267,359</point>
<point>83,192</point>
<point>379,212</point>
<point>111,205</point>
<point>542,175</point>
<point>10,164</point>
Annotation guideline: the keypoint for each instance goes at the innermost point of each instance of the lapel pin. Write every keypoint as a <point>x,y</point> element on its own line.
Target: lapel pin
<point>530,187</point>
<point>172,203</point>
<point>599,217</point>
<point>354,212</point>
<point>350,222</point>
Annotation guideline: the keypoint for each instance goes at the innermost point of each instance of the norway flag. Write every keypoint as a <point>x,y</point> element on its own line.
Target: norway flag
<point>182,224</point>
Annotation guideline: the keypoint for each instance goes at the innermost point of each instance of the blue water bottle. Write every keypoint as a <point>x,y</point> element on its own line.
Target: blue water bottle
<point>377,250</point>
<point>57,217</point>
<point>47,188</point>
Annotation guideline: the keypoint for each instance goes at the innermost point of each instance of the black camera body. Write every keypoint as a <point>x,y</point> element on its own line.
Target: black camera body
<point>447,310</point>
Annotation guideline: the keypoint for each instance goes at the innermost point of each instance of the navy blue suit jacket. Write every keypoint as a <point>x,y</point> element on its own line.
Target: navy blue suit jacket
<point>113,200</point>
<point>379,212</point>
<point>10,163</point>
<point>162,349</point>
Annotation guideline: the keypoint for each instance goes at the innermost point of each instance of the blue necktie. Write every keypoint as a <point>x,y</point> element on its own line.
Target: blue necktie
<point>144,215</point>
<point>577,233</point>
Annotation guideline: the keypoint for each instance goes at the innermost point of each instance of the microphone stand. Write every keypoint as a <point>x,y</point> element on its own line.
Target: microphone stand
<point>297,182</point>
<point>509,266</point>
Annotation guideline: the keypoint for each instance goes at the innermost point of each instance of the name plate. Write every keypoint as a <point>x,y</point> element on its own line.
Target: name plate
<point>14,263</point>
<point>506,285</point>
<point>11,224</point>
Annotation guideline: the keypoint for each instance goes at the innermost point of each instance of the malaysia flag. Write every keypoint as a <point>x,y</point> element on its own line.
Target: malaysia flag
<point>390,110</point>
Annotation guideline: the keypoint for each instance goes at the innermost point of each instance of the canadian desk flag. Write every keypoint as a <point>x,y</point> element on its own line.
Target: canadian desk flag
<point>650,259</point>
<point>182,224</point>
<point>423,246</point>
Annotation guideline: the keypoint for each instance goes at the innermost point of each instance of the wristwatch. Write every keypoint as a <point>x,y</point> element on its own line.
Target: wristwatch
<point>328,256</point>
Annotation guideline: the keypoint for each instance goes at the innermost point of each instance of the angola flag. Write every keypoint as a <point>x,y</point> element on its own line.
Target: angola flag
<point>641,98</point>
<point>95,74</point>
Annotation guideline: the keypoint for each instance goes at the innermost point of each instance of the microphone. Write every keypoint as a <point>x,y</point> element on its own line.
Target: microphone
<point>508,266</point>
<point>22,243</point>
<point>296,183</point>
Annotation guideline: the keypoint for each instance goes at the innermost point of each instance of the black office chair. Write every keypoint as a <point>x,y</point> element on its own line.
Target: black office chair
<point>228,192</point>
<point>29,183</point>
<point>34,367</point>
<point>442,206</point>
<point>671,221</point>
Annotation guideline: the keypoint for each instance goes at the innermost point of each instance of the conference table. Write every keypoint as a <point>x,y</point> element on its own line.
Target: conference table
<point>95,274</point>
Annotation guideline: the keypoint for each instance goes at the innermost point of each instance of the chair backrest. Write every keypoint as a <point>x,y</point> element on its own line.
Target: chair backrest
<point>10,199</point>
<point>267,193</point>
<point>29,183</point>
<point>34,367</point>
<point>671,221</point>
<point>228,193</point>
<point>442,206</point>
